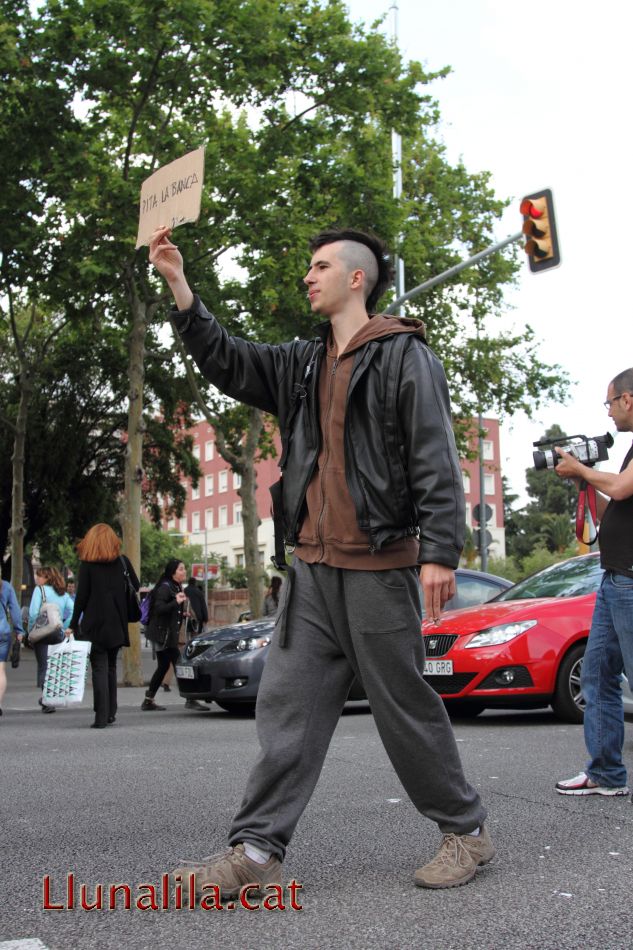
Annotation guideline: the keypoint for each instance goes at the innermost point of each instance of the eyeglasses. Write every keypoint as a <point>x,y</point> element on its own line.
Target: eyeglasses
<point>609,402</point>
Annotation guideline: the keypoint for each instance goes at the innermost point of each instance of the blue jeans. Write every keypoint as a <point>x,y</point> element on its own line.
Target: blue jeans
<point>609,652</point>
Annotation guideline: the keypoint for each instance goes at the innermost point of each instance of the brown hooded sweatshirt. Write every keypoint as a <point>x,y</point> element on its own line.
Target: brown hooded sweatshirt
<point>329,533</point>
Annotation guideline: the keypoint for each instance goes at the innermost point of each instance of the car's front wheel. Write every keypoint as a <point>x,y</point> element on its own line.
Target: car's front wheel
<point>568,702</point>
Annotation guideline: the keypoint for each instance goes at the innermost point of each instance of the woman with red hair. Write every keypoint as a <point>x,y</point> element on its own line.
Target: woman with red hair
<point>102,600</point>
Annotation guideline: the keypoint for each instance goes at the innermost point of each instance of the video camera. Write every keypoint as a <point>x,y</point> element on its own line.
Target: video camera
<point>587,451</point>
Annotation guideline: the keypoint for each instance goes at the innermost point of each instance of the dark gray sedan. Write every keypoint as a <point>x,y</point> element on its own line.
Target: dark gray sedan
<point>225,665</point>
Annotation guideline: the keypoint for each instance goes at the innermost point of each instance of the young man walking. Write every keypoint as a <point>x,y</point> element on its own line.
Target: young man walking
<point>371,502</point>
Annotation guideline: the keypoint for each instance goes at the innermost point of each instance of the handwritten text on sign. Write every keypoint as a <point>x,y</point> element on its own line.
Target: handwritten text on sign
<point>172,195</point>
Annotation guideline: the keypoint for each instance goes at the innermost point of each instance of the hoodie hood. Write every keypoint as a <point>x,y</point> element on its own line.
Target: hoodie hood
<point>381,325</point>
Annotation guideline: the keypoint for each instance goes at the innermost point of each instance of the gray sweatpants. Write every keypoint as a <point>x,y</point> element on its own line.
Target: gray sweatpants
<point>341,624</point>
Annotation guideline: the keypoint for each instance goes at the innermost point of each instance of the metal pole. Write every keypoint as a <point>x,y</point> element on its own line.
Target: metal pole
<point>452,271</point>
<point>206,565</point>
<point>396,152</point>
<point>483,547</point>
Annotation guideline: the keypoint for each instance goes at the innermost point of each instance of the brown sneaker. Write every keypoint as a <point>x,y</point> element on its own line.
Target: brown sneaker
<point>456,861</point>
<point>230,871</point>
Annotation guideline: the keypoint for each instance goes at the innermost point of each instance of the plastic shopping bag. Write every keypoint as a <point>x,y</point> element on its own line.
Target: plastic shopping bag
<point>66,673</point>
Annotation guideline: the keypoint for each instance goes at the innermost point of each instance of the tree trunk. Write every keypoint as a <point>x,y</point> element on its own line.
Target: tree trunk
<point>132,499</point>
<point>17,499</point>
<point>250,518</point>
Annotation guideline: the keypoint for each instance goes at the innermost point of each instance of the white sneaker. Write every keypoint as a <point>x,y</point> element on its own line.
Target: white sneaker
<point>582,785</point>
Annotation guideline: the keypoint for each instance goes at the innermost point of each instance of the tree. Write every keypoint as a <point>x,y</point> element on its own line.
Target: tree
<point>296,107</point>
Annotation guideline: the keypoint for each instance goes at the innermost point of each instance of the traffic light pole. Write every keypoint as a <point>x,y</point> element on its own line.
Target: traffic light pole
<point>452,271</point>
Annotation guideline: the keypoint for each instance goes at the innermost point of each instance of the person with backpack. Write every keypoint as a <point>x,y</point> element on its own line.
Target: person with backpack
<point>10,624</point>
<point>50,587</point>
<point>163,617</point>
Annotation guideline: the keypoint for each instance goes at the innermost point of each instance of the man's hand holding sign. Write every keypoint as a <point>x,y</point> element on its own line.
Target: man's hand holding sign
<point>171,196</point>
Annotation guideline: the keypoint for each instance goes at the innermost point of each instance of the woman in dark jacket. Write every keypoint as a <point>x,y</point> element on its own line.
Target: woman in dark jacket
<point>102,599</point>
<point>167,606</point>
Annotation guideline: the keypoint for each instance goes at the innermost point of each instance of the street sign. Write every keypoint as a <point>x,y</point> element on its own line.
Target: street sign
<point>477,538</point>
<point>197,571</point>
<point>477,512</point>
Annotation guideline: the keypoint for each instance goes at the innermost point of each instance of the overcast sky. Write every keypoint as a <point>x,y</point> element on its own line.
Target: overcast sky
<point>539,96</point>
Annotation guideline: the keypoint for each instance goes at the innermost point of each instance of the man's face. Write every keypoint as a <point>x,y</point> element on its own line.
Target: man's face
<point>328,281</point>
<point>620,409</point>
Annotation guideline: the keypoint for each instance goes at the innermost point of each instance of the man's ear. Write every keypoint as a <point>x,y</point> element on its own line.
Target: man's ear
<point>357,278</point>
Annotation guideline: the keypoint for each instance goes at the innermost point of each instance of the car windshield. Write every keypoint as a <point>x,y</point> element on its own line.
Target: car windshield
<point>569,579</point>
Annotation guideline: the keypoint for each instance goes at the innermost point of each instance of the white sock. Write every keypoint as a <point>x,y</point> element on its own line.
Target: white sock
<point>475,833</point>
<point>258,855</point>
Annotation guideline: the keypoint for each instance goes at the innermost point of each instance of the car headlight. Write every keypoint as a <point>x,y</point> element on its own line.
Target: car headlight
<point>247,643</point>
<point>493,636</point>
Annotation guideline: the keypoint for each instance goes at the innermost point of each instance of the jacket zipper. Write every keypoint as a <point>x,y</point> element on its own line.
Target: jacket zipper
<point>326,459</point>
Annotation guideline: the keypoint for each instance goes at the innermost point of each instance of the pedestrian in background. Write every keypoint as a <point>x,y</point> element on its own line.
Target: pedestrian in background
<point>10,625</point>
<point>166,614</point>
<point>271,600</point>
<point>101,603</point>
<point>198,610</point>
<point>50,586</point>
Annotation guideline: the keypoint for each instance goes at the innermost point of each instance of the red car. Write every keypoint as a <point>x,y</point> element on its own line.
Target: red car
<point>523,649</point>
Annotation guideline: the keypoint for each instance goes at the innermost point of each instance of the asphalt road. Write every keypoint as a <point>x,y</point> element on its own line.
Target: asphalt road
<point>121,805</point>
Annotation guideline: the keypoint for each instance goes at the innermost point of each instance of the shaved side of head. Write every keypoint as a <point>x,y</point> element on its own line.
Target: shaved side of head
<point>357,256</point>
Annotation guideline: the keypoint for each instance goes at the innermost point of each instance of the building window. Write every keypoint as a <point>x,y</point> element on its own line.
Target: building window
<point>208,485</point>
<point>239,560</point>
<point>171,524</point>
<point>183,524</point>
<point>195,492</point>
<point>237,480</point>
<point>196,451</point>
<point>489,484</point>
<point>208,518</point>
<point>237,514</point>
<point>195,521</point>
<point>208,451</point>
<point>468,514</point>
<point>223,479</point>
<point>262,556</point>
<point>466,482</point>
<point>223,516</point>
<point>489,450</point>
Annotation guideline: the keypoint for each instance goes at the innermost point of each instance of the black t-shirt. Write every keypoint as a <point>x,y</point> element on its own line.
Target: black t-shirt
<point>616,532</point>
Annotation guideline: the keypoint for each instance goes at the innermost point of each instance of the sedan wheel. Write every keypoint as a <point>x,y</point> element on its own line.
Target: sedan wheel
<point>568,702</point>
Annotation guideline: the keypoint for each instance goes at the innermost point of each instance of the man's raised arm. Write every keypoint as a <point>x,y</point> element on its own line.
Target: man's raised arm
<point>168,261</point>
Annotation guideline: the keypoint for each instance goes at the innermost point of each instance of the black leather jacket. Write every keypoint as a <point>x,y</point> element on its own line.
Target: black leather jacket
<point>402,466</point>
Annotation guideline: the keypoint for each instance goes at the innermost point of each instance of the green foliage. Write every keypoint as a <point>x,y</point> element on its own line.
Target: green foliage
<point>158,547</point>
<point>540,557</point>
<point>236,577</point>
<point>505,567</point>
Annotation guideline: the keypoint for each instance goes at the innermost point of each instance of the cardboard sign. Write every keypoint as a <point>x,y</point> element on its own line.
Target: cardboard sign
<point>171,196</point>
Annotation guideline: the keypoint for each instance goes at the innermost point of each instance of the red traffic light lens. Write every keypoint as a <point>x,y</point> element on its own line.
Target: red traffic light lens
<point>530,210</point>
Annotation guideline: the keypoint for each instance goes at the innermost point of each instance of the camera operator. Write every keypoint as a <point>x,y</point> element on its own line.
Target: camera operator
<point>610,644</point>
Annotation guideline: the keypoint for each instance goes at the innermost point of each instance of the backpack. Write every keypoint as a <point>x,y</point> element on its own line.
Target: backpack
<point>145,609</point>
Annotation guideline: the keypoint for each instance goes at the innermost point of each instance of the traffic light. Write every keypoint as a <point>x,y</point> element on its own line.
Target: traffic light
<point>539,226</point>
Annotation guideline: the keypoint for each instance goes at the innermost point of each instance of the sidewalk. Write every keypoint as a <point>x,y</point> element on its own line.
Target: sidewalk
<point>22,693</point>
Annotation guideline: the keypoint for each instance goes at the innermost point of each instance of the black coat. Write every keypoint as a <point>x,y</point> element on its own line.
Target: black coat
<point>165,616</point>
<point>402,467</point>
<point>197,603</point>
<point>101,598</point>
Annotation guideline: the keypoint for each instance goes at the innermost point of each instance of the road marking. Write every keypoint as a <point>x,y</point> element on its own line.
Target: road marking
<point>29,943</point>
